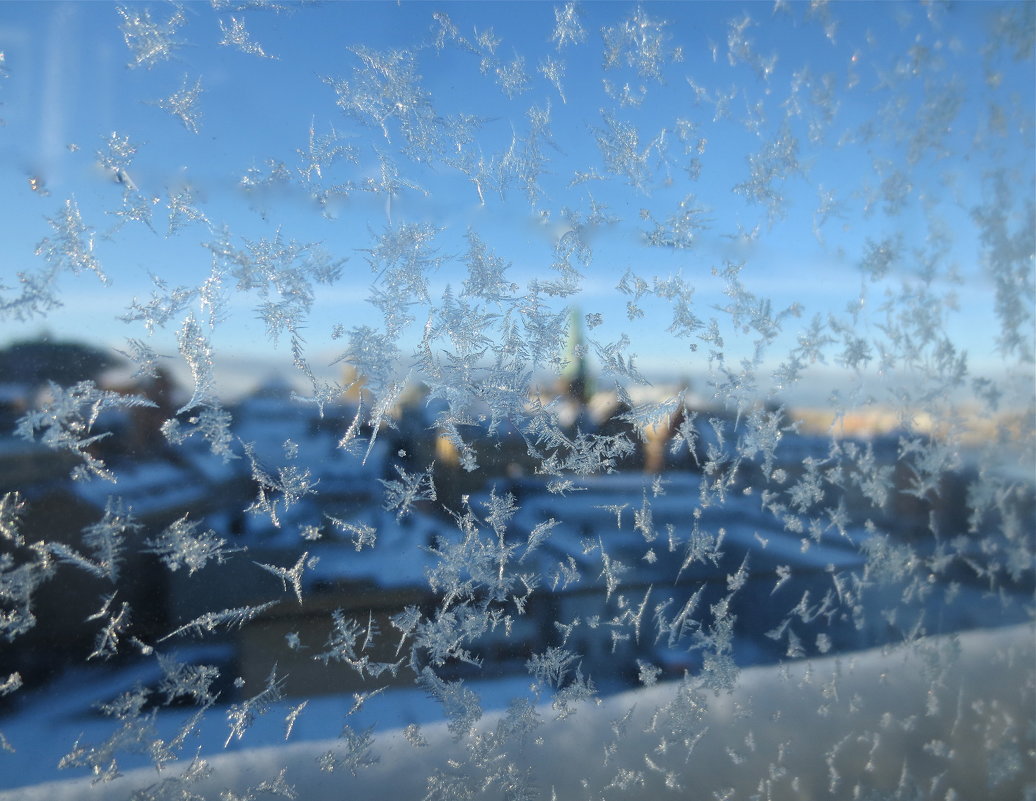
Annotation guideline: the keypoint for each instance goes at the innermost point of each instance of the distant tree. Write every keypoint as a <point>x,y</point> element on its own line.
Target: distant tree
<point>66,363</point>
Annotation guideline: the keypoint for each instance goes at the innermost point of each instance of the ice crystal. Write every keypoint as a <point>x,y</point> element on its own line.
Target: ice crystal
<point>681,230</point>
<point>67,418</point>
<point>236,35</point>
<point>213,423</point>
<point>71,246</point>
<point>567,28</point>
<point>165,304</point>
<point>292,575</point>
<point>388,89</point>
<point>322,151</point>
<point>554,71</point>
<point>1009,260</point>
<point>623,154</point>
<point>181,545</point>
<point>105,539</point>
<point>145,359</point>
<point>768,170</point>
<point>149,41</point>
<point>183,104</point>
<point>231,618</point>
<point>363,535</point>
<point>18,583</point>
<point>512,77</point>
<point>182,680</point>
<point>460,704</point>
<point>403,261</point>
<point>641,42</point>
<point>241,716</point>
<point>106,644</point>
<point>280,493</point>
<point>401,495</point>
<point>356,752</point>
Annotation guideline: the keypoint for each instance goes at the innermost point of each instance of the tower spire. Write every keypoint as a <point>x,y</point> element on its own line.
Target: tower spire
<point>575,377</point>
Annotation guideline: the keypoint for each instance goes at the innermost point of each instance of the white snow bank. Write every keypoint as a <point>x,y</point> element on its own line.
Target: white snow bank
<point>935,715</point>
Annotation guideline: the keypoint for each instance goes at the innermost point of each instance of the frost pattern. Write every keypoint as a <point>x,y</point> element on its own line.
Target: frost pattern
<point>480,498</point>
<point>149,41</point>
<point>183,104</point>
<point>66,421</point>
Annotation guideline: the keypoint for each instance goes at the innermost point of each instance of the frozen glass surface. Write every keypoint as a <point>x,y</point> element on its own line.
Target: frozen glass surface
<point>517,400</point>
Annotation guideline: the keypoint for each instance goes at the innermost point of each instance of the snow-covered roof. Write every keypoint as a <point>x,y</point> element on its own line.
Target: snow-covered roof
<point>147,487</point>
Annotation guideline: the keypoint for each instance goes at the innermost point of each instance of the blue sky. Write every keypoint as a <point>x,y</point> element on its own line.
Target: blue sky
<point>728,71</point>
